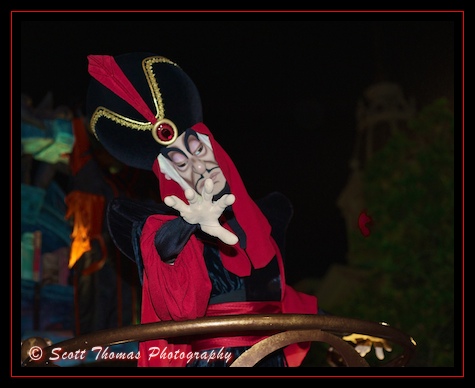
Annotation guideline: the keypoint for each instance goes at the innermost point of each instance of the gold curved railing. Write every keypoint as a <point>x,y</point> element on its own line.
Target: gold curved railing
<point>288,329</point>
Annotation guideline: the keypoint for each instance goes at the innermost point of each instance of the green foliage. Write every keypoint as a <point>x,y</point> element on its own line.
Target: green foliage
<point>409,194</point>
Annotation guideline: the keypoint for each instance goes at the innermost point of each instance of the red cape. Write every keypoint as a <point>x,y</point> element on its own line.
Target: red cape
<point>181,291</point>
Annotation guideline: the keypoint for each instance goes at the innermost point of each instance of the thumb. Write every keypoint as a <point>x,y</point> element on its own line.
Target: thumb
<point>227,237</point>
<point>223,234</point>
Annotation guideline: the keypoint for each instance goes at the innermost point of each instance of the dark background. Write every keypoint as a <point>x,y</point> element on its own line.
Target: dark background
<point>279,90</point>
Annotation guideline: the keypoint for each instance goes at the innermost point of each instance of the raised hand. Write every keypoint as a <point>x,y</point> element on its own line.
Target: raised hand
<point>203,211</point>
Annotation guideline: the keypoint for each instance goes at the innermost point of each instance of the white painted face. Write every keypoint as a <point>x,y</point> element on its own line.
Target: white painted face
<point>193,161</point>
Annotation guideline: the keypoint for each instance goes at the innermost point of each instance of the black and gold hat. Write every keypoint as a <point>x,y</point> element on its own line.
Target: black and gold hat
<point>138,103</point>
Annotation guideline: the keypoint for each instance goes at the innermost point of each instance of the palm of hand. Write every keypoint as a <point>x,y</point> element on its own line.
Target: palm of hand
<point>203,211</point>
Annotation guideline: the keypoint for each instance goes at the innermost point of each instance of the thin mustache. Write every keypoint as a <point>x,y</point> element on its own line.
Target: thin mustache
<point>202,177</point>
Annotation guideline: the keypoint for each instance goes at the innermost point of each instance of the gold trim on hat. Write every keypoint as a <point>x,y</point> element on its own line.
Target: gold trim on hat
<point>147,64</point>
<point>119,119</point>
<point>102,112</point>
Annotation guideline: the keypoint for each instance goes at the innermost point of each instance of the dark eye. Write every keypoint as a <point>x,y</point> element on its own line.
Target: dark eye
<point>199,150</point>
<point>195,146</point>
<point>179,159</point>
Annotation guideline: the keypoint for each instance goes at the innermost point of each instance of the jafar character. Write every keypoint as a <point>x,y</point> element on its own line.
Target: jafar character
<point>208,249</point>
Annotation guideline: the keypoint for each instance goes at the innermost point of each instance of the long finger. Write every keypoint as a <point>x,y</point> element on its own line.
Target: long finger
<point>175,202</point>
<point>191,196</point>
<point>226,200</point>
<point>208,190</point>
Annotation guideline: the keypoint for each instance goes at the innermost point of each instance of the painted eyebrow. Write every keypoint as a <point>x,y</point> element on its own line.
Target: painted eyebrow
<point>166,150</point>
<point>188,133</point>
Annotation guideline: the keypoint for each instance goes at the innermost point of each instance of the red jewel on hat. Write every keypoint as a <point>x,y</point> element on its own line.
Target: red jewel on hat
<point>164,132</point>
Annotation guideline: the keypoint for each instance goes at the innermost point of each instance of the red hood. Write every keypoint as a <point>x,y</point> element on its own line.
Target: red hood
<point>259,248</point>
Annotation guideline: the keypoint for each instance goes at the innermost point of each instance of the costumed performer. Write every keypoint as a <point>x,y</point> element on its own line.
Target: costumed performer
<point>208,249</point>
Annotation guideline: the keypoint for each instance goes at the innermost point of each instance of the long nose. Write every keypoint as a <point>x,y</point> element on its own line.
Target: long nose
<point>198,165</point>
